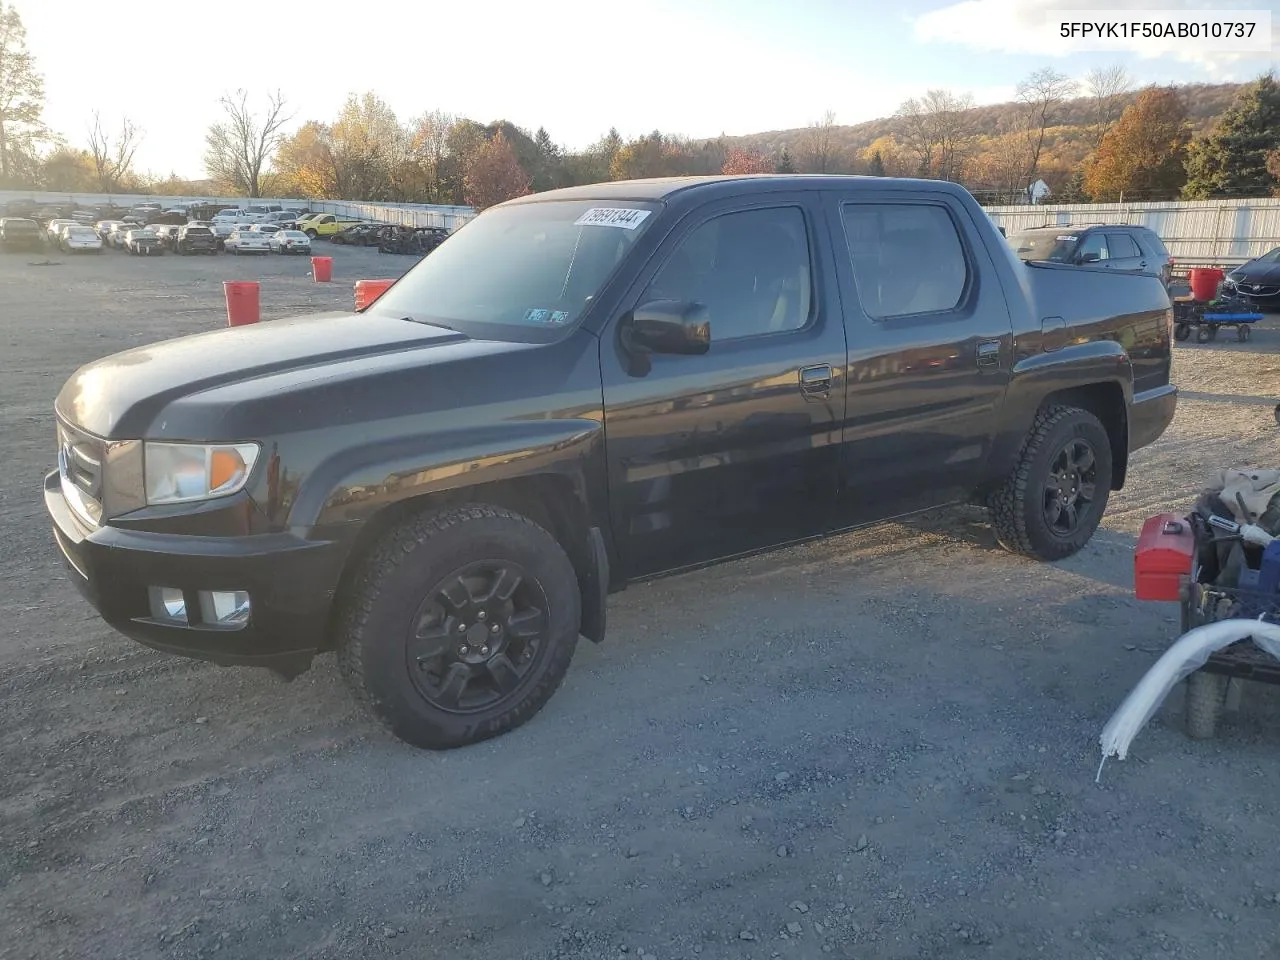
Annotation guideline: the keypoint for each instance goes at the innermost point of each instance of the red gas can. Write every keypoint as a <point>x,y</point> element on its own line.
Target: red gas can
<point>1166,550</point>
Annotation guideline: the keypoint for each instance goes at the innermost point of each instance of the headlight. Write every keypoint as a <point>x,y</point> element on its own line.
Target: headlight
<point>177,472</point>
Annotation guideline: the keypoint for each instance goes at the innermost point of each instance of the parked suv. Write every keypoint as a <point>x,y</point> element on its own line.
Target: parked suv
<point>194,239</point>
<point>1113,246</point>
<point>20,233</point>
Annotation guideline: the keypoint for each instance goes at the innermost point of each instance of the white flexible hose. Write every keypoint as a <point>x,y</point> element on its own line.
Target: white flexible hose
<point>1187,655</point>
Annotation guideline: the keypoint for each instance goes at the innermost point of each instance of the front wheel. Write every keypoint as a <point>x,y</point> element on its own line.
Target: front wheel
<point>1182,331</point>
<point>1052,502</point>
<point>460,626</point>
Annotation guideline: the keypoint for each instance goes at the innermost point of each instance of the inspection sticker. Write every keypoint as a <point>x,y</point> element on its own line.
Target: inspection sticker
<point>626,217</point>
<point>545,316</point>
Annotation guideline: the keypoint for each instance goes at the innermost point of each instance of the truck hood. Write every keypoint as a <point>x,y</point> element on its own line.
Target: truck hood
<point>118,396</point>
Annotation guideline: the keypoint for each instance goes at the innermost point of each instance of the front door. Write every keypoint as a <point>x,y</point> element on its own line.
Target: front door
<point>737,448</point>
<point>930,349</point>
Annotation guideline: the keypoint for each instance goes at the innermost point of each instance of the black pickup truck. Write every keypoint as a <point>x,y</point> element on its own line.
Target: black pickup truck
<point>584,388</point>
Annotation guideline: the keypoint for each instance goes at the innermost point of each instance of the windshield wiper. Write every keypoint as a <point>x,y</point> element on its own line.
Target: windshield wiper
<point>429,323</point>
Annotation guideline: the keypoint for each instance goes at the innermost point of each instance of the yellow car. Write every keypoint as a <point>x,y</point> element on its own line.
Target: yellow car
<point>323,224</point>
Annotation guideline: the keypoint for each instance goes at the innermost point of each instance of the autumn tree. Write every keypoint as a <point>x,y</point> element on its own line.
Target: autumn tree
<point>875,165</point>
<point>1106,88</point>
<point>1144,154</point>
<point>67,170</point>
<point>494,175</point>
<point>304,163</point>
<point>1231,161</point>
<point>368,147</point>
<point>739,162</point>
<point>1042,95</point>
<point>653,155</point>
<point>818,148</point>
<point>895,159</point>
<point>239,147</point>
<point>936,129</point>
<point>112,156</point>
<point>21,98</point>
<point>429,146</point>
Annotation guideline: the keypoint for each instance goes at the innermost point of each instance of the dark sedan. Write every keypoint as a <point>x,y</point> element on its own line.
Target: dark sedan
<point>1257,281</point>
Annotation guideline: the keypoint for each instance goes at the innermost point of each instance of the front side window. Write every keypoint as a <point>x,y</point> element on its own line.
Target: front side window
<point>533,266</point>
<point>907,258</point>
<point>750,269</point>
<point>1093,248</point>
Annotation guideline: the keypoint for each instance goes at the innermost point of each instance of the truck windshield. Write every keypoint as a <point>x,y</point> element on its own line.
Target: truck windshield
<point>533,266</point>
<point>1055,247</point>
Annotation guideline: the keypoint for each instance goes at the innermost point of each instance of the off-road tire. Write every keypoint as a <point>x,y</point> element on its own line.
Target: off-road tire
<point>1203,702</point>
<point>375,616</point>
<point>1016,508</point>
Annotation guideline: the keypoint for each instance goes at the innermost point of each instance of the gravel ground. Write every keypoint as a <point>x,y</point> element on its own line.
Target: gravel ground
<point>848,749</point>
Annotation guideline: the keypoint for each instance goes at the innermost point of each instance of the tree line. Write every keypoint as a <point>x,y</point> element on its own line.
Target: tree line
<point>1098,139</point>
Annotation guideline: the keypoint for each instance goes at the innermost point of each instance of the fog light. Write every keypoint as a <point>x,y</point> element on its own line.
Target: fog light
<point>227,607</point>
<point>168,603</point>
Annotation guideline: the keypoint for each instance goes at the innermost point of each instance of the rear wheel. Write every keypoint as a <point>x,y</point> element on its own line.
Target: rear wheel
<point>1206,333</point>
<point>1182,331</point>
<point>460,626</point>
<point>1050,505</point>
<point>1242,333</point>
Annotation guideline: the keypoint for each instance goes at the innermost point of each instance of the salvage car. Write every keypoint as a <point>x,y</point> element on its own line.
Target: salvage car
<point>196,239</point>
<point>168,234</point>
<point>1257,282</point>
<point>1112,246</point>
<point>20,233</point>
<point>247,240</point>
<point>53,230</point>
<point>80,239</point>
<point>289,241</point>
<point>144,242</point>
<point>119,234</point>
<point>585,388</point>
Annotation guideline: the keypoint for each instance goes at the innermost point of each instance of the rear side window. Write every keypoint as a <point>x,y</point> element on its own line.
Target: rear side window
<point>907,258</point>
<point>1123,246</point>
<point>750,268</point>
<point>1152,242</point>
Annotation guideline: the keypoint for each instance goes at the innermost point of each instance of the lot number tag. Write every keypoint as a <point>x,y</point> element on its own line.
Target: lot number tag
<point>625,217</point>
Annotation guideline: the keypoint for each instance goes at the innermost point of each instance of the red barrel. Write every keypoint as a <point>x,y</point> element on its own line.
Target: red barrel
<point>1204,282</point>
<point>242,302</point>
<point>322,269</point>
<point>368,291</point>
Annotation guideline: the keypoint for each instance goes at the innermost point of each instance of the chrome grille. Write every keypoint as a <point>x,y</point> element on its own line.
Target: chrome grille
<point>80,459</point>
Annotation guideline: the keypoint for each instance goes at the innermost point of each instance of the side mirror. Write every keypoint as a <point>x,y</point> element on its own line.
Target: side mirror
<point>670,326</point>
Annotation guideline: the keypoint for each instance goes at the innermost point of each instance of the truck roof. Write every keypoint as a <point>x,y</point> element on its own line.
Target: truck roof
<point>662,188</point>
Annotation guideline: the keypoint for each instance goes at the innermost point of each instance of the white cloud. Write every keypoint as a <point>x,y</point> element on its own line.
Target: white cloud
<point>1031,27</point>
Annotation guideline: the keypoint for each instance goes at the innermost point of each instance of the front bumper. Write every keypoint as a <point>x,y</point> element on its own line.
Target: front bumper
<point>291,582</point>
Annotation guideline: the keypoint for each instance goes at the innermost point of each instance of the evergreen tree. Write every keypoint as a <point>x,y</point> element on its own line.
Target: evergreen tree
<point>785,164</point>
<point>1232,160</point>
<point>875,167</point>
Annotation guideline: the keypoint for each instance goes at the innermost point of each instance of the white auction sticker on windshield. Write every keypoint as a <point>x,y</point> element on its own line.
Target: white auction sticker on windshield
<point>626,217</point>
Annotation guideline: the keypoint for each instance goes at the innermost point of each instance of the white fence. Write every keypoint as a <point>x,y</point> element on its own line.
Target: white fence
<point>409,214</point>
<point>1196,231</point>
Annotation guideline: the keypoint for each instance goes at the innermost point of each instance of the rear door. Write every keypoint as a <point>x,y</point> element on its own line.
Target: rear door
<point>1125,252</point>
<point>930,349</point>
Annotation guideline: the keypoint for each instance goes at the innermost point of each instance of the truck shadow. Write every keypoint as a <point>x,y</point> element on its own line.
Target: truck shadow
<point>969,525</point>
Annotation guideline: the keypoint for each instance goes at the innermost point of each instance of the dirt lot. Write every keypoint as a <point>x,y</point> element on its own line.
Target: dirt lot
<point>880,746</point>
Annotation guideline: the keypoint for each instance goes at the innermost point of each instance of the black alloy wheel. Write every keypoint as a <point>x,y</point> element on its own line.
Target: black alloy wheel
<point>476,636</point>
<point>1070,491</point>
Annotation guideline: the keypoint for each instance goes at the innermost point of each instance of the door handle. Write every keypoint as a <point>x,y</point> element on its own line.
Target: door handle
<point>815,381</point>
<point>989,354</point>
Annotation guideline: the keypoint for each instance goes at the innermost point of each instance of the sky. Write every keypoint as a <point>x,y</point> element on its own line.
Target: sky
<point>694,67</point>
